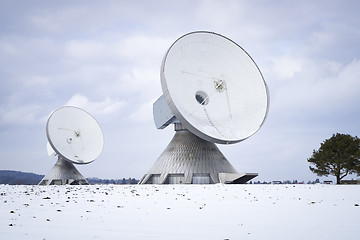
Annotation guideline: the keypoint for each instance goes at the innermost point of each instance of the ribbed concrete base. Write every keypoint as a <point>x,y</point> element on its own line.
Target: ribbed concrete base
<point>188,159</point>
<point>63,172</point>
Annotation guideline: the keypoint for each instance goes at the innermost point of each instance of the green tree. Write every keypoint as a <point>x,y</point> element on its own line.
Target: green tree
<point>337,156</point>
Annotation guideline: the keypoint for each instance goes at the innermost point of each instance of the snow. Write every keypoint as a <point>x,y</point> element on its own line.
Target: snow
<point>180,212</point>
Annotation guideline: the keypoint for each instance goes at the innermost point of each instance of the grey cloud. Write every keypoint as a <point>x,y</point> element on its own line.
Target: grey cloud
<point>106,56</point>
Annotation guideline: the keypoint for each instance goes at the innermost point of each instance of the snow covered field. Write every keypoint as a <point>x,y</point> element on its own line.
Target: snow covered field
<point>180,212</point>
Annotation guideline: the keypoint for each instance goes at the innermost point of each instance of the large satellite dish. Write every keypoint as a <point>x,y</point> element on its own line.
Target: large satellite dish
<point>213,89</point>
<point>76,137</point>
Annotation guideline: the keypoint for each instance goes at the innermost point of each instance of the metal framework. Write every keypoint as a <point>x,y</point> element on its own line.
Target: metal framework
<point>63,172</point>
<point>189,159</point>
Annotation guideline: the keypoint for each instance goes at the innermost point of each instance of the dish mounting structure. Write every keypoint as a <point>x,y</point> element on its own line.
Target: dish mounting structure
<point>213,92</point>
<point>76,138</point>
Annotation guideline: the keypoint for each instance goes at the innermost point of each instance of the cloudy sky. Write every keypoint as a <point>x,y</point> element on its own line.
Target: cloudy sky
<point>105,56</point>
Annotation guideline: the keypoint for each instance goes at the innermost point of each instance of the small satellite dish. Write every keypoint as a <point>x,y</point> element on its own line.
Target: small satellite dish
<point>213,92</point>
<point>76,137</point>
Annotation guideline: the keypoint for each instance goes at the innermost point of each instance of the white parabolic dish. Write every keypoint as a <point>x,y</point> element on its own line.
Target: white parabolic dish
<point>75,135</point>
<point>214,88</point>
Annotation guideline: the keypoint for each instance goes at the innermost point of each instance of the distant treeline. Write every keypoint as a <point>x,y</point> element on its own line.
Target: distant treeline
<point>112,181</point>
<point>19,178</point>
<point>23,178</point>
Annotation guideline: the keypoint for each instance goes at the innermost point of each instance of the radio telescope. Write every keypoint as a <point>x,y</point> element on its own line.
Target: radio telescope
<point>75,137</point>
<point>213,92</point>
